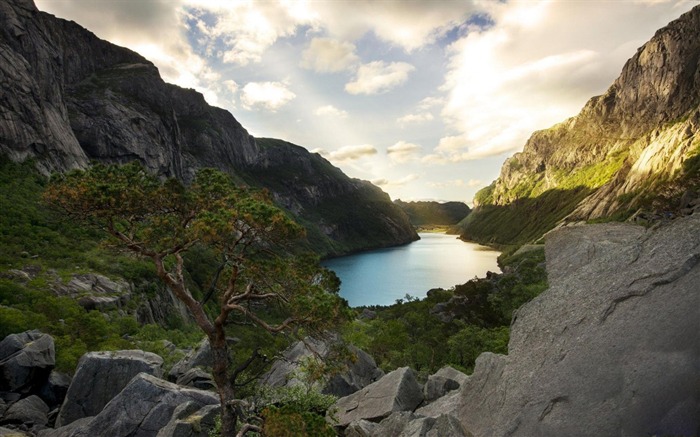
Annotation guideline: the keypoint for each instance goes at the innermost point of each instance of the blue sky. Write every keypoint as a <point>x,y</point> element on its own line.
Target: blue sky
<point>424,98</point>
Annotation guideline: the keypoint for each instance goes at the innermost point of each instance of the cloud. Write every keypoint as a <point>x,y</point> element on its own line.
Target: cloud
<point>384,182</point>
<point>402,151</point>
<point>348,153</point>
<point>326,55</point>
<point>415,118</point>
<point>266,95</point>
<point>330,111</point>
<point>471,183</point>
<point>515,77</point>
<point>379,77</point>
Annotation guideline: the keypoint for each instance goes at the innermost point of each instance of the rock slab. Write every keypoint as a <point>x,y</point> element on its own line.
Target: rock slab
<point>396,391</point>
<point>100,376</point>
<point>26,360</point>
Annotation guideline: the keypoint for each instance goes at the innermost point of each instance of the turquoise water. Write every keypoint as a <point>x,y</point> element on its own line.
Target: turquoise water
<point>381,276</point>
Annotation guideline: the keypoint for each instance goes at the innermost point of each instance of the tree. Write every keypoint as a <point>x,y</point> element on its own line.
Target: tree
<point>163,220</point>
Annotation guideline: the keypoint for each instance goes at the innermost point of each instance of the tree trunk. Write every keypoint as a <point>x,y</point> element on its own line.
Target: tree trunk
<point>227,393</point>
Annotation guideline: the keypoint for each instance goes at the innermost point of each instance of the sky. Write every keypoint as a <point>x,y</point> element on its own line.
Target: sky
<point>424,98</point>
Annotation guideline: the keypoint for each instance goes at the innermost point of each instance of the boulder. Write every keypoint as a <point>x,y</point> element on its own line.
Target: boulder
<point>611,348</point>
<point>442,382</point>
<point>197,378</point>
<point>26,360</point>
<point>8,432</point>
<point>143,408</point>
<point>396,391</point>
<point>30,411</point>
<point>191,420</point>
<point>407,424</point>
<point>200,356</point>
<point>100,376</point>
<point>360,428</point>
<point>360,370</point>
<point>65,431</point>
<point>54,390</point>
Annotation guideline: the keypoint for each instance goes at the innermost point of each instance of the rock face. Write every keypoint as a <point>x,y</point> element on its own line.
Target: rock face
<point>143,408</point>
<point>69,98</point>
<point>30,410</point>
<point>610,349</point>
<point>360,371</point>
<point>396,391</point>
<point>26,360</point>
<point>100,376</point>
<point>623,146</point>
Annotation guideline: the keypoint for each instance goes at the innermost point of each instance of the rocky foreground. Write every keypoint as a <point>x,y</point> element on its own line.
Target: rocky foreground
<point>612,348</point>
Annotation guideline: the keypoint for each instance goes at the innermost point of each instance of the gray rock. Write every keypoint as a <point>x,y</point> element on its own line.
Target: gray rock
<point>200,356</point>
<point>53,392</point>
<point>26,360</point>
<point>447,425</point>
<point>95,292</point>
<point>360,428</point>
<point>143,408</point>
<point>9,432</point>
<point>396,391</point>
<point>100,376</point>
<point>359,372</point>
<point>66,431</point>
<point>609,349</point>
<point>29,411</point>
<point>442,382</point>
<point>191,420</point>
<point>197,378</point>
<point>400,424</point>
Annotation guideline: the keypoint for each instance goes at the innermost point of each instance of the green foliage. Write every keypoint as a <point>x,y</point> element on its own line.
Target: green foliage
<point>411,333</point>
<point>485,195</point>
<point>295,411</point>
<point>434,213</point>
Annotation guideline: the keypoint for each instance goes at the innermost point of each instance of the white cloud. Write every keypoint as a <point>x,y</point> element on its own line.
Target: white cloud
<point>266,95</point>
<point>330,111</point>
<point>379,77</point>
<point>421,117</point>
<point>326,55</point>
<point>231,86</point>
<point>471,183</point>
<point>402,151</point>
<point>348,153</point>
<point>535,67</point>
<point>384,182</point>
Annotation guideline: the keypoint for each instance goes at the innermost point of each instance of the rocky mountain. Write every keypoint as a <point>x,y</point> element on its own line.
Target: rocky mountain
<point>69,98</point>
<point>434,213</point>
<point>627,148</point>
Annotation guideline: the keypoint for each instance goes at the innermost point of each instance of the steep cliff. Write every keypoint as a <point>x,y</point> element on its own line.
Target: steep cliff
<point>434,213</point>
<point>624,149</point>
<point>68,98</point>
<point>610,349</point>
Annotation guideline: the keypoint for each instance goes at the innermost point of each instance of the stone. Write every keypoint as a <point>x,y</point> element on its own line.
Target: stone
<point>9,432</point>
<point>396,391</point>
<point>95,292</point>
<point>143,408</point>
<point>197,378</point>
<point>53,392</point>
<point>360,371</point>
<point>26,360</point>
<point>200,356</point>
<point>360,428</point>
<point>29,411</point>
<point>191,420</point>
<point>442,382</point>
<point>609,349</point>
<point>99,377</point>
<point>66,431</point>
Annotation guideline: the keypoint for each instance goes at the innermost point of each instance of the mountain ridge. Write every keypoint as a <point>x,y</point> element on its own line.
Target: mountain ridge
<point>625,147</point>
<point>71,98</point>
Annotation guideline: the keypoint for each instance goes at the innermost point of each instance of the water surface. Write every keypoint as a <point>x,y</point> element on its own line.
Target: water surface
<point>381,276</point>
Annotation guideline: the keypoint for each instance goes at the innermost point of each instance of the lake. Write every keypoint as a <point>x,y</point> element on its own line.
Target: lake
<point>379,277</point>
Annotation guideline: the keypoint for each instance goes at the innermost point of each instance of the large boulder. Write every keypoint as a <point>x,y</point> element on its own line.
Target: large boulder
<point>100,376</point>
<point>612,348</point>
<point>359,371</point>
<point>442,382</point>
<point>30,411</point>
<point>396,391</point>
<point>191,420</point>
<point>407,424</point>
<point>143,408</point>
<point>200,357</point>
<point>26,359</point>
<point>95,292</point>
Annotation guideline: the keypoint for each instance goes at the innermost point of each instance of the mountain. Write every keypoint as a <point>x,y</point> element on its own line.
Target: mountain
<point>434,213</point>
<point>69,98</point>
<point>634,149</point>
